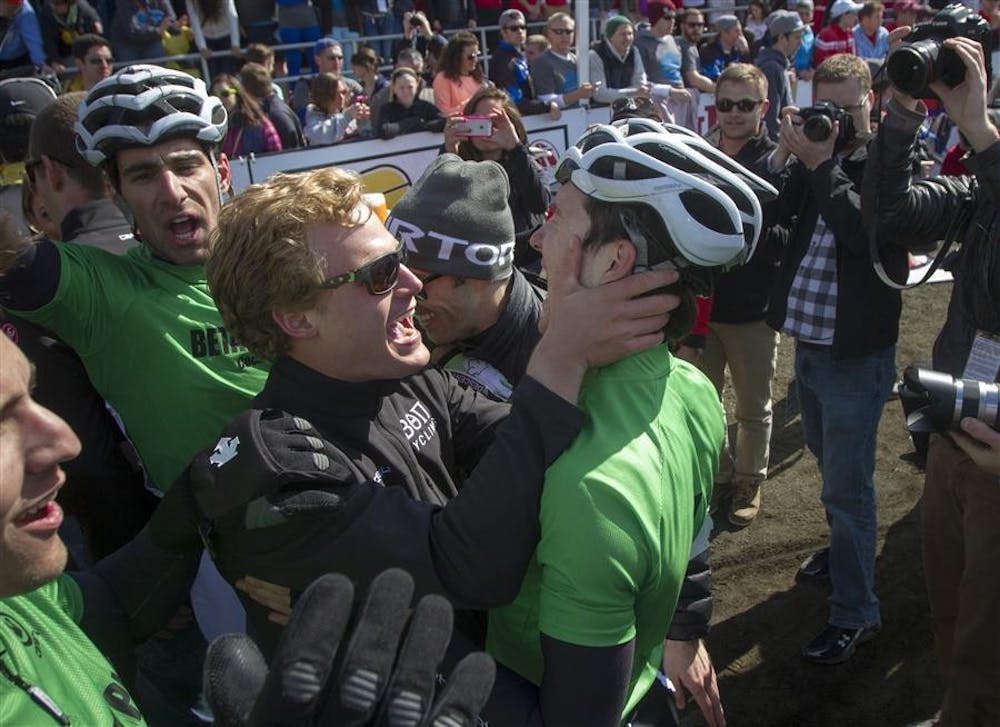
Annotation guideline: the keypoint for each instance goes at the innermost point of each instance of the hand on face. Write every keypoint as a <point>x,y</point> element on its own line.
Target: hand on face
<point>602,324</point>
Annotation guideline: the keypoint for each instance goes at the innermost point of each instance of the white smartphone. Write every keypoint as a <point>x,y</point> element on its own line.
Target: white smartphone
<point>477,126</point>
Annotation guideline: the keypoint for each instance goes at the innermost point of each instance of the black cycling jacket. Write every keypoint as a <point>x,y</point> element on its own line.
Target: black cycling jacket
<point>403,444</point>
<point>924,210</point>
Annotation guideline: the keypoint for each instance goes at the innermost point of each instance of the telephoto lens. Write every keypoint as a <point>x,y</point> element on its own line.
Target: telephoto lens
<point>911,67</point>
<point>936,402</point>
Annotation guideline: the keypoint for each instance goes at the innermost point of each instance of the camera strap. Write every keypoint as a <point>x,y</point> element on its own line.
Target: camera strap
<point>958,222</point>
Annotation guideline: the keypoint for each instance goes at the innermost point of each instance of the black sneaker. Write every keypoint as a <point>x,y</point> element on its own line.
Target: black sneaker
<point>835,644</point>
<point>816,567</point>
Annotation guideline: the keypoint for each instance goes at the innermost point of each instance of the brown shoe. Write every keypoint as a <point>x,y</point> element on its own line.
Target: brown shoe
<point>721,492</point>
<point>745,503</point>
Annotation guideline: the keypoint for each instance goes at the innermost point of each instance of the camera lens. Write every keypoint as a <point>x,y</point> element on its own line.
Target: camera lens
<point>935,402</point>
<point>817,128</point>
<point>911,66</point>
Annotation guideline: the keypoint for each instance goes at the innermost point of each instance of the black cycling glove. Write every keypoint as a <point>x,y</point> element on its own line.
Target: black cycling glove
<point>372,681</point>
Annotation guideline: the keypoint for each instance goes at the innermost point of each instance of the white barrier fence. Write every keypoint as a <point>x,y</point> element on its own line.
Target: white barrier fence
<point>391,166</point>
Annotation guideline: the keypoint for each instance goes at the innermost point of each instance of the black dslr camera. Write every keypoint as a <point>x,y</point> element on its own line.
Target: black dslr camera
<point>818,123</point>
<point>936,402</point>
<point>921,59</point>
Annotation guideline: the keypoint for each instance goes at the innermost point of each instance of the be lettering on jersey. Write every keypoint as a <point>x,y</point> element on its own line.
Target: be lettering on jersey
<point>419,426</point>
<point>212,341</point>
<point>452,249</point>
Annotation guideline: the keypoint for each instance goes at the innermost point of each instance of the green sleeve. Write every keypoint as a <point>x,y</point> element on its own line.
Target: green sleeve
<point>91,289</point>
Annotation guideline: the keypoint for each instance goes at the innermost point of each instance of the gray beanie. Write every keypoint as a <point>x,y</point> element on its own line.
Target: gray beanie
<point>456,221</point>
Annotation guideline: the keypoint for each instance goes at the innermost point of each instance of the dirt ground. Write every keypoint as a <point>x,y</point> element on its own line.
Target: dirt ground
<point>762,617</point>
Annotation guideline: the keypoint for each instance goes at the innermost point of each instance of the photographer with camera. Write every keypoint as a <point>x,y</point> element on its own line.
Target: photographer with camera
<point>845,323</point>
<point>961,499</point>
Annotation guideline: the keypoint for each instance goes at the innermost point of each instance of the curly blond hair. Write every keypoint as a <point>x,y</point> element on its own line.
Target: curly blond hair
<point>260,259</point>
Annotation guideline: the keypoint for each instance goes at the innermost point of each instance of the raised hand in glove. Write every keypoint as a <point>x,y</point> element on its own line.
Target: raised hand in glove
<point>315,679</point>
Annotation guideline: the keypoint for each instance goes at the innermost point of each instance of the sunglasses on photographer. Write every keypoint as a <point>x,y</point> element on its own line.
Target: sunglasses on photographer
<point>380,275</point>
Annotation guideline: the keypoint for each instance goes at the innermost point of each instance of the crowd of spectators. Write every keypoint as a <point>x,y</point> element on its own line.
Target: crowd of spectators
<point>663,50</point>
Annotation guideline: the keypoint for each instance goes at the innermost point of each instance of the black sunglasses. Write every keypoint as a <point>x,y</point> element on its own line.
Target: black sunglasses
<point>424,282</point>
<point>515,27</point>
<point>380,275</point>
<point>561,31</point>
<point>745,105</point>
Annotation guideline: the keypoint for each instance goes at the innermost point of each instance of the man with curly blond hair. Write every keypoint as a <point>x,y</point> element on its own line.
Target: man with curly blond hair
<point>306,275</point>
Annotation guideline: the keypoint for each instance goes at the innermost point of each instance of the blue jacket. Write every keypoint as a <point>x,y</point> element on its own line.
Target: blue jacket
<point>24,36</point>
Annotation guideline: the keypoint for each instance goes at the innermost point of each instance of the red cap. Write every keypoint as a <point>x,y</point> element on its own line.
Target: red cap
<point>656,10</point>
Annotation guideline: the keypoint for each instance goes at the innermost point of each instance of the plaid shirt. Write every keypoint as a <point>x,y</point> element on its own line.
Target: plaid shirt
<point>812,300</point>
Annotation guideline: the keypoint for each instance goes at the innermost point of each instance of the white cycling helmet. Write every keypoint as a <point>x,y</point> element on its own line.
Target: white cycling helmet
<point>762,189</point>
<point>144,105</point>
<point>712,216</point>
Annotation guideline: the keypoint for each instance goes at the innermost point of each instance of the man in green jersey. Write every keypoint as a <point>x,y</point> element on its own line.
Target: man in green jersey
<point>623,504</point>
<point>143,323</point>
<point>47,665</point>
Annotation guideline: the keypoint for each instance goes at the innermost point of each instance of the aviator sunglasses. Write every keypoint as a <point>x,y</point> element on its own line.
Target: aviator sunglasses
<point>380,275</point>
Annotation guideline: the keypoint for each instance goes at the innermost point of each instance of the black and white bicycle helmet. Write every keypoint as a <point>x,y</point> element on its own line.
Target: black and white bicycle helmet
<point>763,189</point>
<point>712,216</point>
<point>144,105</point>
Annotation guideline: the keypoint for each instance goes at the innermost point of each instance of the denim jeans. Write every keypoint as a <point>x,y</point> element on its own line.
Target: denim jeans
<point>380,25</point>
<point>299,61</point>
<point>842,403</point>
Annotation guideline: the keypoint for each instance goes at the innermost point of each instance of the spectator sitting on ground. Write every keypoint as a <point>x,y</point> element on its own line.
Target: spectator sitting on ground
<point>729,46</point>
<point>460,74</point>
<point>365,65</point>
<point>250,131</point>
<point>692,26</point>
<point>61,23</point>
<point>554,71</point>
<point>405,113</point>
<point>838,36</point>
<point>534,46</point>
<point>661,58</point>
<point>509,67</point>
<point>93,57</point>
<point>615,64</point>
<point>871,40</point>
<point>529,196</point>
<point>329,118</point>
<point>803,56</point>
<point>408,58</point>
<point>256,82</point>
<point>785,34</point>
